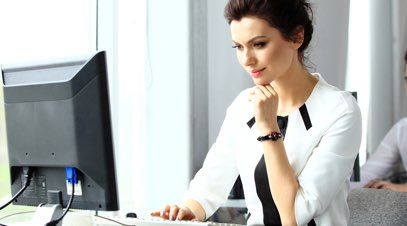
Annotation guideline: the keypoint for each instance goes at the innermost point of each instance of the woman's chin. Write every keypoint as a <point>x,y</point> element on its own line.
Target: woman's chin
<point>261,82</point>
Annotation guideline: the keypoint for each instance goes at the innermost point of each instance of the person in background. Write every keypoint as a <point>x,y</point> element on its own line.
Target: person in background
<point>292,137</point>
<point>392,150</point>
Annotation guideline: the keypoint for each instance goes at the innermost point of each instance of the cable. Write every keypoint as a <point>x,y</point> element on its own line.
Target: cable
<point>13,214</point>
<point>26,185</point>
<point>72,178</point>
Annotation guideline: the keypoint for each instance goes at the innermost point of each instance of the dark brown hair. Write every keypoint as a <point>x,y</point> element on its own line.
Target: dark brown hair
<point>284,15</point>
<point>405,57</point>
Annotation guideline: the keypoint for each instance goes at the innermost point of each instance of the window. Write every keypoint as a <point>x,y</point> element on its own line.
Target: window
<point>358,71</point>
<point>46,29</point>
<point>34,30</point>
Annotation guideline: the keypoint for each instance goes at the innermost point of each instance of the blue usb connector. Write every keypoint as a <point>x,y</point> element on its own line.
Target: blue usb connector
<point>71,175</point>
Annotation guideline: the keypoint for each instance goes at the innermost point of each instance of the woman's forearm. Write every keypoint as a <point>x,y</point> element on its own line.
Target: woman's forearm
<point>282,181</point>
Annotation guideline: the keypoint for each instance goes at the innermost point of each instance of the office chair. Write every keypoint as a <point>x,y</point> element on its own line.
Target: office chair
<point>356,167</point>
<point>369,206</point>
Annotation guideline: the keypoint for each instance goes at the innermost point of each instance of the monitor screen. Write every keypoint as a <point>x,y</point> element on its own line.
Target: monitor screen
<point>58,115</point>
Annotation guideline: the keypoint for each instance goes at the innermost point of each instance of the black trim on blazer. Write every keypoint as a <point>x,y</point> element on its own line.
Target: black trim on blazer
<point>305,116</point>
<point>251,122</point>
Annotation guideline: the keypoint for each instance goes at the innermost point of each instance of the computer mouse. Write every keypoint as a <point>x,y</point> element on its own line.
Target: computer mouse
<point>131,215</point>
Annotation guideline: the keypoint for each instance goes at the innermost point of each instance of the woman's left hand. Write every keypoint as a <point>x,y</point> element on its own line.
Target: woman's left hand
<point>265,104</point>
<point>380,184</point>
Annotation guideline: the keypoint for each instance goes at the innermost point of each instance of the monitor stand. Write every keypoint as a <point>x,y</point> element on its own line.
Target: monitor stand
<point>46,213</point>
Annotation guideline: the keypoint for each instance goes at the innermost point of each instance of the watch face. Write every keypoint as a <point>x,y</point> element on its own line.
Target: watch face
<point>272,136</point>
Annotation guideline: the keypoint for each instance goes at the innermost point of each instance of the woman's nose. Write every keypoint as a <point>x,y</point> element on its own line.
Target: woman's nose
<point>248,59</point>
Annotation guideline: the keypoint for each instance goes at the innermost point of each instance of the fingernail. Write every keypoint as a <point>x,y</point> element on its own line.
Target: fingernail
<point>161,213</point>
<point>171,218</point>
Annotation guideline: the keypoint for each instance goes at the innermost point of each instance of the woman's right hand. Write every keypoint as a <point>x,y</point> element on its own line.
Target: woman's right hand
<point>265,105</point>
<point>174,212</point>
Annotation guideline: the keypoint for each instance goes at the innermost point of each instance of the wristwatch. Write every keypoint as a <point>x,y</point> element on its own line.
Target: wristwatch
<point>272,136</point>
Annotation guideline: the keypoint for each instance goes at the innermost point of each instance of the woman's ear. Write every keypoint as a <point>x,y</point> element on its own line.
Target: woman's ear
<point>298,37</point>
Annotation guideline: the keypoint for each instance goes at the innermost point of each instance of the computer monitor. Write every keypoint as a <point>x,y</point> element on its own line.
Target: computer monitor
<point>57,115</point>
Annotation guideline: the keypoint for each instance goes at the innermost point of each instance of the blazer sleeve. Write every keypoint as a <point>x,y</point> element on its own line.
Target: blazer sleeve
<point>330,164</point>
<point>213,182</point>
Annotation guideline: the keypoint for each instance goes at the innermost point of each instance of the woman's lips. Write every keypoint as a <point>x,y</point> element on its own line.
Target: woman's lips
<point>256,73</point>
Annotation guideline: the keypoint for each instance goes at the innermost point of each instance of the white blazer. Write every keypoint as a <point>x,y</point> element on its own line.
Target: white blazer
<point>321,143</point>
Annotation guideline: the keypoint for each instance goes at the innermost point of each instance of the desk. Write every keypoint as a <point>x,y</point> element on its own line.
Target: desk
<point>232,211</point>
<point>235,203</point>
<point>70,219</point>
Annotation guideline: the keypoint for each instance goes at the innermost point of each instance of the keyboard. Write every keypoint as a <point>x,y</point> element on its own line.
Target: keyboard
<point>116,221</point>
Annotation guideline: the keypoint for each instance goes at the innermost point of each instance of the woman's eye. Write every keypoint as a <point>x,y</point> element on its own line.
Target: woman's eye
<point>259,44</point>
<point>237,47</point>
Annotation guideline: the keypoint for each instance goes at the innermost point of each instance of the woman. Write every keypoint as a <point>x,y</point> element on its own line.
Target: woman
<point>292,137</point>
<point>391,151</point>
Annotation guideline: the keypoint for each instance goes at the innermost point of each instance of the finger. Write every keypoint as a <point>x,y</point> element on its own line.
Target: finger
<point>257,95</point>
<point>378,184</point>
<point>256,91</point>
<point>173,212</point>
<point>373,184</point>
<point>266,92</point>
<point>156,213</point>
<point>252,90</point>
<point>271,89</point>
<point>165,211</point>
<point>251,95</point>
<point>183,214</point>
<point>369,184</point>
<point>389,186</point>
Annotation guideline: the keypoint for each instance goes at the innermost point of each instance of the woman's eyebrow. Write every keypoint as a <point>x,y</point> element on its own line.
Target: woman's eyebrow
<point>252,39</point>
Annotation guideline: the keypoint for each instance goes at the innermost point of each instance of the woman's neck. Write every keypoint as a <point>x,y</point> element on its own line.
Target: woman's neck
<point>293,89</point>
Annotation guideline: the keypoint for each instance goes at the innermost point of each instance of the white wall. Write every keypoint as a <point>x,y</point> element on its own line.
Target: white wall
<point>380,118</point>
<point>226,78</point>
<point>328,48</point>
<point>119,26</point>
<point>358,62</point>
<point>148,46</point>
<point>167,102</point>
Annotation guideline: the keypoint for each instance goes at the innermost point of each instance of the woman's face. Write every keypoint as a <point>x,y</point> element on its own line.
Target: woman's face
<point>261,49</point>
